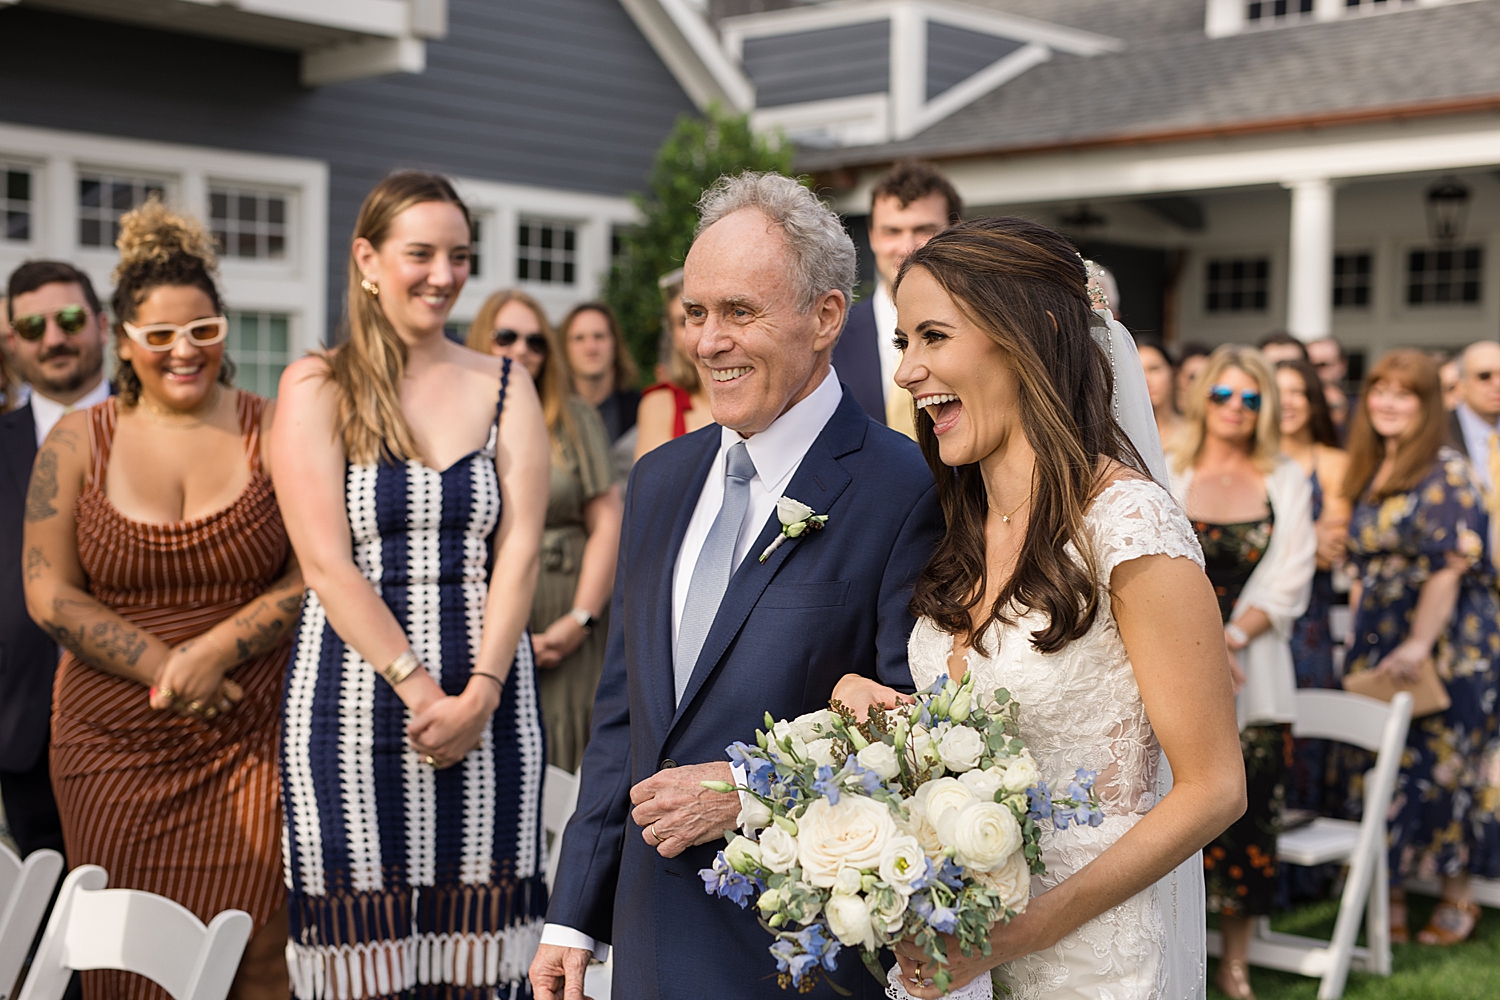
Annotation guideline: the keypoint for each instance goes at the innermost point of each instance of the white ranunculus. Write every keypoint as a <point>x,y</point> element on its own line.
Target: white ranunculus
<point>814,725</point>
<point>852,834</point>
<point>821,752</point>
<point>961,748</point>
<point>1021,773</point>
<point>849,919</point>
<point>743,855</point>
<point>942,799</point>
<point>784,729</point>
<point>880,758</point>
<point>754,814</point>
<point>984,784</point>
<point>920,827</point>
<point>1011,880</point>
<point>848,883</point>
<point>903,862</point>
<point>889,917</point>
<point>789,511</point>
<point>778,849</point>
<point>984,835</point>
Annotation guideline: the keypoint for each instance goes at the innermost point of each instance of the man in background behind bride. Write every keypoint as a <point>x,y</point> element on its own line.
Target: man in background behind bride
<point>707,630</point>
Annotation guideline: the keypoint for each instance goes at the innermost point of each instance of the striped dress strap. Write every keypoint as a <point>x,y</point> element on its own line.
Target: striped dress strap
<point>102,420</point>
<point>251,409</point>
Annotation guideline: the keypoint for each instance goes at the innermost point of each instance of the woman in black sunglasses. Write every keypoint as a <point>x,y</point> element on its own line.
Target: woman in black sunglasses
<point>582,535</point>
<point>1251,507</point>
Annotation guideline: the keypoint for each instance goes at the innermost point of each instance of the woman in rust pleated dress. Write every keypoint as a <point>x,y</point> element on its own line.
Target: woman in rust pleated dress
<point>156,556</point>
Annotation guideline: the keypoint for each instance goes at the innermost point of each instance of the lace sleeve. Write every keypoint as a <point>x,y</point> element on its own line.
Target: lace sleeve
<point>1134,518</point>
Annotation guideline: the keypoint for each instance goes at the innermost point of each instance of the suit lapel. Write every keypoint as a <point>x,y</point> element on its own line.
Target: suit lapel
<point>818,482</point>
<point>18,446</point>
<point>659,678</point>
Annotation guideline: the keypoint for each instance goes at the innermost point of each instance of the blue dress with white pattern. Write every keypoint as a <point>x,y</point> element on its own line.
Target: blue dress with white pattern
<point>404,880</point>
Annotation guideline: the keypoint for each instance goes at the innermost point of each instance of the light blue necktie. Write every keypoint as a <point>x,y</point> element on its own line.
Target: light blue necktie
<point>715,566</point>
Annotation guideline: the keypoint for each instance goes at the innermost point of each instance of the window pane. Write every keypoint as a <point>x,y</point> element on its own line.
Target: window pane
<point>546,252</point>
<point>88,233</point>
<point>253,223</point>
<point>259,344</point>
<point>18,185</point>
<point>1236,284</point>
<point>1445,275</point>
<point>88,193</point>
<point>218,205</point>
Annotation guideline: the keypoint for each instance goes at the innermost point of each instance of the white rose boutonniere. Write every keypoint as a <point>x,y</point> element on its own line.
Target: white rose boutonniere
<point>796,519</point>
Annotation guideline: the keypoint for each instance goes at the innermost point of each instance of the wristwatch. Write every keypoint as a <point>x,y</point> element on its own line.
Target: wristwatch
<point>584,618</point>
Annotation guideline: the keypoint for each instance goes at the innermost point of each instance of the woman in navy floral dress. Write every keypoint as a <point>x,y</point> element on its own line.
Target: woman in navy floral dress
<point>1417,534</point>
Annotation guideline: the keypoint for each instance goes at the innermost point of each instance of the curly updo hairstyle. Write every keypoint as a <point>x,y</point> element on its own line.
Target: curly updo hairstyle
<point>159,247</point>
<point>1026,287</point>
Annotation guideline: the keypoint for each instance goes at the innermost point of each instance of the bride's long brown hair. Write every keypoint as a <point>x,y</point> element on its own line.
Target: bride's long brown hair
<point>1026,287</point>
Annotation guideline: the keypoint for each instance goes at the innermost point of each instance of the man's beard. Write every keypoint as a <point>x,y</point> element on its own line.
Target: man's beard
<point>89,365</point>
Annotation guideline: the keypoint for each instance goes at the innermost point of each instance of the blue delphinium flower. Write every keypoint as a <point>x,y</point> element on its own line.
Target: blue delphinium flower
<point>801,965</point>
<point>1040,798</point>
<point>951,875</point>
<point>783,951</point>
<point>758,770</point>
<point>722,880</point>
<point>925,879</point>
<point>1085,777</point>
<point>937,916</point>
<point>820,945</point>
<point>827,785</point>
<point>868,780</point>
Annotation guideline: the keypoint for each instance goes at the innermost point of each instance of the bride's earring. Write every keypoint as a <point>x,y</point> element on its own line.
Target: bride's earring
<point>371,289</point>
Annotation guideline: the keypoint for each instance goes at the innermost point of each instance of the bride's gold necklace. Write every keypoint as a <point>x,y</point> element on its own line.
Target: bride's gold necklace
<point>157,416</point>
<point>1005,518</point>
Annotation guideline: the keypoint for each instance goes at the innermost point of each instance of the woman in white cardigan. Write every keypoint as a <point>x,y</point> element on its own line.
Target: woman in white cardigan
<point>1252,510</point>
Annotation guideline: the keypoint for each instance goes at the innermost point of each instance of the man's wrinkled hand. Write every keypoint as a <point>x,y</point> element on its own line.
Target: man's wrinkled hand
<point>675,811</point>
<point>557,972</point>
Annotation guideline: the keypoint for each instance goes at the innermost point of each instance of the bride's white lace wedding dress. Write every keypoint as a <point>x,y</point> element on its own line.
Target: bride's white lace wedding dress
<point>1080,707</point>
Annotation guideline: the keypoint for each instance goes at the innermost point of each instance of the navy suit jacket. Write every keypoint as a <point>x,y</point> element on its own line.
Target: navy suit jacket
<point>832,602</point>
<point>856,357</point>
<point>28,657</point>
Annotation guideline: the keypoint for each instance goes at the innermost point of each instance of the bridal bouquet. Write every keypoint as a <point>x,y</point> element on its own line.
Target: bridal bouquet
<point>920,822</point>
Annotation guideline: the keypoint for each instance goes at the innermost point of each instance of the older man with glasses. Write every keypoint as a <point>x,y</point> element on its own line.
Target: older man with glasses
<point>1474,425</point>
<point>55,341</point>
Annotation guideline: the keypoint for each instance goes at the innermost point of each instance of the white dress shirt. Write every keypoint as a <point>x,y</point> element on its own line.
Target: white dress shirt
<point>1477,433</point>
<point>46,412</point>
<point>777,453</point>
<point>885,336</point>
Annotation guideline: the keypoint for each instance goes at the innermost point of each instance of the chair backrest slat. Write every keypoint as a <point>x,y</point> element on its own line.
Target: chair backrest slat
<point>25,890</point>
<point>1340,715</point>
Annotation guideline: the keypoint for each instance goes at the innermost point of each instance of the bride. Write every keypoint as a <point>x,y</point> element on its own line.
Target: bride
<point>1071,579</point>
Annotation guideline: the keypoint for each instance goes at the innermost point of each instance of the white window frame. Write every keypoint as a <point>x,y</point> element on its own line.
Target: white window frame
<point>34,167</point>
<point>1441,310</point>
<point>1231,17</point>
<point>1366,250</point>
<point>502,206</point>
<point>287,195</point>
<point>295,285</point>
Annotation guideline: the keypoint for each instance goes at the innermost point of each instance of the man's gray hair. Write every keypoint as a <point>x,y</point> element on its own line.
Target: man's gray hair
<point>822,253</point>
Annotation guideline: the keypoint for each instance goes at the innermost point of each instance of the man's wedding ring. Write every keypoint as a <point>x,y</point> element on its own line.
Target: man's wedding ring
<point>430,760</point>
<point>654,835</point>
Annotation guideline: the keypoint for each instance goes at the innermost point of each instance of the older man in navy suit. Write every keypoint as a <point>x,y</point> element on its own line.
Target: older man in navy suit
<point>706,637</point>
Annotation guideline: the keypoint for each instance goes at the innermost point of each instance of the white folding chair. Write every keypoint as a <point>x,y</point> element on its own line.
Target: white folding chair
<point>559,798</point>
<point>97,928</point>
<point>1373,725</point>
<point>25,890</point>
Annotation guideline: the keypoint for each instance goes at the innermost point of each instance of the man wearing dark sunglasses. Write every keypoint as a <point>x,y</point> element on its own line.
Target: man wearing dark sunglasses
<point>1474,427</point>
<point>56,339</point>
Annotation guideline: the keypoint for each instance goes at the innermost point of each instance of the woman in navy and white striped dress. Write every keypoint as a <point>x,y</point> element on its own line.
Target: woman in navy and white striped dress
<point>412,746</point>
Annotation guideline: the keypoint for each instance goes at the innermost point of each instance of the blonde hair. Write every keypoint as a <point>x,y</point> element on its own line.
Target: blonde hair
<point>159,247</point>
<point>555,383</point>
<point>1267,441</point>
<point>367,369</point>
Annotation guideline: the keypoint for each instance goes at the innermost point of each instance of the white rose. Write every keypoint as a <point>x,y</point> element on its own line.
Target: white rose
<point>814,725</point>
<point>1011,880</point>
<point>754,814</point>
<point>903,862</point>
<point>852,834</point>
<point>880,758</point>
<point>984,835</point>
<point>849,919</point>
<point>961,748</point>
<point>984,784</point>
<point>820,752</point>
<point>743,855</point>
<point>942,799</point>
<point>789,511</point>
<point>848,882</point>
<point>920,827</point>
<point>783,729</point>
<point>778,849</point>
<point>889,914</point>
<point>1021,773</point>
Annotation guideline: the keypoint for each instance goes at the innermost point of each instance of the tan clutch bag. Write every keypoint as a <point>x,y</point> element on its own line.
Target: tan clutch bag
<point>1429,695</point>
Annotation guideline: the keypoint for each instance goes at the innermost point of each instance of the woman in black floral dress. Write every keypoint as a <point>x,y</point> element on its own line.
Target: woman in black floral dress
<point>1426,587</point>
<point>1252,510</point>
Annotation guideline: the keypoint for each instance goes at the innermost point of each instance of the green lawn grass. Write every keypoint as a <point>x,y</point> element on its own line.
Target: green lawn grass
<point>1469,971</point>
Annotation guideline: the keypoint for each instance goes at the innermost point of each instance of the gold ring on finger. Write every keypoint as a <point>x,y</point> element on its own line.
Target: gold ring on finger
<point>210,711</point>
<point>656,836</point>
<point>168,694</point>
<point>195,707</point>
<point>430,760</point>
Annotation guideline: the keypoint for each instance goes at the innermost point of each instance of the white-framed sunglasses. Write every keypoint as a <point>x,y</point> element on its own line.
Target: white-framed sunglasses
<point>161,336</point>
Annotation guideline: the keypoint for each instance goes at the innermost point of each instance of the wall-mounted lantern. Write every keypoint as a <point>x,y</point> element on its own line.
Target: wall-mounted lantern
<point>1447,210</point>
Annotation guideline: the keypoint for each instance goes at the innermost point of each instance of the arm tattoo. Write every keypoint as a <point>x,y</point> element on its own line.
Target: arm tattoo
<point>109,642</point>
<point>36,563</point>
<point>43,488</point>
<point>264,635</point>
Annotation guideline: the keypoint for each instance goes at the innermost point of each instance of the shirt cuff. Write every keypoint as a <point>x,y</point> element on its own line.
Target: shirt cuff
<point>567,937</point>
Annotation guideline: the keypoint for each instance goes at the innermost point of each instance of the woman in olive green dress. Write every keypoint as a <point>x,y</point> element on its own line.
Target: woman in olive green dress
<point>582,536</point>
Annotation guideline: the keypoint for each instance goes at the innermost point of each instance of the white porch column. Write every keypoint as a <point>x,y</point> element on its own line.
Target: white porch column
<point>1309,305</point>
